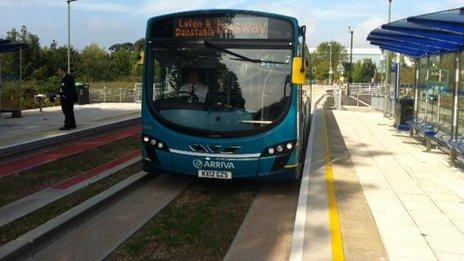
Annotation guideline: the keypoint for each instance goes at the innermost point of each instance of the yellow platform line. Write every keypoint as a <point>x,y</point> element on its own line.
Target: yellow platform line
<point>334,218</point>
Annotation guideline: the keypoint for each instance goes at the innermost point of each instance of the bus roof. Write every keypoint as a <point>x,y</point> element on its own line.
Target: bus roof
<point>291,19</point>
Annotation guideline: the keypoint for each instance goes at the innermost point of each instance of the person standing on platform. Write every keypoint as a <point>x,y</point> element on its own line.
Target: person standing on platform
<point>68,95</point>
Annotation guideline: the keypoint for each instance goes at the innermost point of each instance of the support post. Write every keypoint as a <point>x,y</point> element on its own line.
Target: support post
<point>1,87</point>
<point>69,36</point>
<point>350,77</point>
<point>416,88</point>
<point>453,157</point>
<point>20,78</point>
<point>428,143</point>
<point>454,132</point>
<point>427,75</point>
<point>387,72</point>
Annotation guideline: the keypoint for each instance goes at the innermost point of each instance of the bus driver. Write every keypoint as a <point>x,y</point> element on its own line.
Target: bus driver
<point>194,87</point>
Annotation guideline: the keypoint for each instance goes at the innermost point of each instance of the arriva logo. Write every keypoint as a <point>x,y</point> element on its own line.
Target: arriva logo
<point>197,164</point>
<point>213,164</point>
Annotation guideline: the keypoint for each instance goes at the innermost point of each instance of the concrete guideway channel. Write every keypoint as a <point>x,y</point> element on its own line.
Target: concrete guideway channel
<point>266,231</point>
<point>33,202</point>
<point>13,151</point>
<point>93,229</point>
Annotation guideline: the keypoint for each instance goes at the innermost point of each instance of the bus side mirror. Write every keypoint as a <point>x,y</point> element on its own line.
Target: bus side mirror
<point>298,75</point>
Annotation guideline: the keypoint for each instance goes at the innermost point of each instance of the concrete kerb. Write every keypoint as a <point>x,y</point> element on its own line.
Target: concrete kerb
<point>11,150</point>
<point>297,249</point>
<point>27,243</point>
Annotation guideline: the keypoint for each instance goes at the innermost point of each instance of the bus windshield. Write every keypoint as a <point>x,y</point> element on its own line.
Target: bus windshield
<point>219,89</point>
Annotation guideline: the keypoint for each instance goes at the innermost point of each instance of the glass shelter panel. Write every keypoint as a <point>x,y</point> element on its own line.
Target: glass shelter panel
<point>433,86</point>
<point>422,97</point>
<point>446,79</point>
<point>461,97</point>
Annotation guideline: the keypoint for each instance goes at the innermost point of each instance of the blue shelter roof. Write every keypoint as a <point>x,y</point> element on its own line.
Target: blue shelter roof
<point>422,35</point>
<point>7,46</point>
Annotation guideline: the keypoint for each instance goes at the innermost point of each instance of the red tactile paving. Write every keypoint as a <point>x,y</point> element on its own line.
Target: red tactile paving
<point>15,166</point>
<point>93,172</point>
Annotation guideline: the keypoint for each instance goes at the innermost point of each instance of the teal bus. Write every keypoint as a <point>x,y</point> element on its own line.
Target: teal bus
<point>222,95</point>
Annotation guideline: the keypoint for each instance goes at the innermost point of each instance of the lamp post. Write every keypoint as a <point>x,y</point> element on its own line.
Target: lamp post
<point>350,76</point>
<point>69,34</point>
<point>387,71</point>
<point>330,66</point>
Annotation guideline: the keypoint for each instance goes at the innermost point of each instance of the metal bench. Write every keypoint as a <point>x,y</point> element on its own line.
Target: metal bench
<point>455,146</point>
<point>422,127</point>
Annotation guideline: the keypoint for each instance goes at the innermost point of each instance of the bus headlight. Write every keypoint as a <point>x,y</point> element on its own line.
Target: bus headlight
<point>270,151</point>
<point>279,149</point>
<point>289,146</point>
<point>154,143</point>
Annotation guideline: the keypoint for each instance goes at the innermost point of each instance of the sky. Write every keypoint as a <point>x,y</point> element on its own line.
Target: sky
<point>107,22</point>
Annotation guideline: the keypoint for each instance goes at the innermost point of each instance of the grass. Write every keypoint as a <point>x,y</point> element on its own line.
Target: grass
<point>26,182</point>
<point>199,224</point>
<point>22,225</point>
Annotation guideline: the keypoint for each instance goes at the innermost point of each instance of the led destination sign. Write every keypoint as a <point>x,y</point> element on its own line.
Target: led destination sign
<point>223,27</point>
<point>245,28</point>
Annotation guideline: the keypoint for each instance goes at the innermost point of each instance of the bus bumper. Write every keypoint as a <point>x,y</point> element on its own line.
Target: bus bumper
<point>262,168</point>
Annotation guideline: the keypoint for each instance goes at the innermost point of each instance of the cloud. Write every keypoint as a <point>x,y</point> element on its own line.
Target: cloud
<point>156,7</point>
<point>364,29</point>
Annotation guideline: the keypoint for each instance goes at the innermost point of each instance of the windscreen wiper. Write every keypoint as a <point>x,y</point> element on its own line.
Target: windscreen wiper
<point>239,56</point>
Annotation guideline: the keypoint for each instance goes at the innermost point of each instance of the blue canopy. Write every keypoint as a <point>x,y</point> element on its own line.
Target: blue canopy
<point>422,35</point>
<point>7,46</point>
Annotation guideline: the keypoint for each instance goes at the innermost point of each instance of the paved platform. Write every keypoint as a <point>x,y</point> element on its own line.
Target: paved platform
<point>371,193</point>
<point>416,198</point>
<point>36,125</point>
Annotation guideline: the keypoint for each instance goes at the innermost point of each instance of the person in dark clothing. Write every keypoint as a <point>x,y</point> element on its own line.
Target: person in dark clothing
<point>68,95</point>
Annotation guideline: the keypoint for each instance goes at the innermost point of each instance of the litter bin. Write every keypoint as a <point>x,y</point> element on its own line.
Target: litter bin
<point>404,111</point>
<point>83,95</point>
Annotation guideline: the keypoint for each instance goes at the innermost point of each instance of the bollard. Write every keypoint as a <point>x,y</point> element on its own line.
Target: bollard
<point>104,93</point>
<point>40,100</point>
<point>120,97</point>
<point>411,132</point>
<point>453,157</point>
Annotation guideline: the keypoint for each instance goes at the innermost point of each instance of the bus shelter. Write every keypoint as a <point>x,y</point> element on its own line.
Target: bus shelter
<point>435,42</point>
<point>8,46</point>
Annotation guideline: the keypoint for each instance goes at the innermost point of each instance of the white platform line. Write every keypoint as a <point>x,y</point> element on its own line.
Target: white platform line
<point>296,252</point>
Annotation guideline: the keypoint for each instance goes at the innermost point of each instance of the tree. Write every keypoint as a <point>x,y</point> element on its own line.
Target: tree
<point>55,56</point>
<point>121,64</point>
<point>124,46</point>
<point>95,63</point>
<point>364,70</point>
<point>321,59</point>
<point>138,45</point>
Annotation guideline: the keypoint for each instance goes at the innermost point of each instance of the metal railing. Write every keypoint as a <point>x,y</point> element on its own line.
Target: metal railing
<point>117,94</point>
<point>366,89</point>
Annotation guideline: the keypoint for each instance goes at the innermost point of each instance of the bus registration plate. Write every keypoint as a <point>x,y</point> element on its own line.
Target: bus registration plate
<point>215,174</point>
